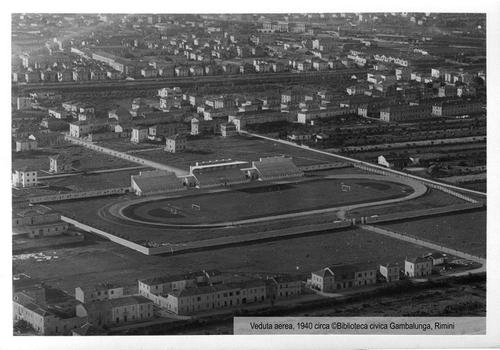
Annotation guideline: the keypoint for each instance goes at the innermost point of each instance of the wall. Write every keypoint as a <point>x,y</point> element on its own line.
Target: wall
<point>76,195</point>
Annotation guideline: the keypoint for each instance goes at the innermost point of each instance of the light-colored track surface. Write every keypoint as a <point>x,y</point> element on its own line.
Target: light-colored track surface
<point>418,190</point>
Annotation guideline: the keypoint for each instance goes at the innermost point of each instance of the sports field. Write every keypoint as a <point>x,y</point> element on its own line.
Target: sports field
<point>265,200</point>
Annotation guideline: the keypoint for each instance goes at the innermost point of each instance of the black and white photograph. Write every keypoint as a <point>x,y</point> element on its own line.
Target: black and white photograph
<point>187,175</point>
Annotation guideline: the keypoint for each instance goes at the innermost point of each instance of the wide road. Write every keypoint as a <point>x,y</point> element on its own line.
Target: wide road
<point>418,190</point>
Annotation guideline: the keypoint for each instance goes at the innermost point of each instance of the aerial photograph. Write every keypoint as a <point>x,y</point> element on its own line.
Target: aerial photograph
<point>171,172</point>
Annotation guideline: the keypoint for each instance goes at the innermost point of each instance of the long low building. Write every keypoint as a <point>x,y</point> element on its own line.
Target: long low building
<point>339,277</point>
<point>155,181</point>
<point>404,112</point>
<point>331,112</point>
<point>241,120</point>
<point>117,311</point>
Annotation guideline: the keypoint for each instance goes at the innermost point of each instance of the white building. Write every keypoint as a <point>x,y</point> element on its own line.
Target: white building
<point>24,178</point>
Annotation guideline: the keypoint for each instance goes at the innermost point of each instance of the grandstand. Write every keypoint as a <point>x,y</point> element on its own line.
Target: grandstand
<point>155,181</point>
<point>273,168</point>
<point>219,173</point>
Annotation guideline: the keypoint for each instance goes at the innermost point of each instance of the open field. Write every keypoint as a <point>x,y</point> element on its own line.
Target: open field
<point>87,159</point>
<point>238,147</point>
<point>124,145</point>
<point>270,199</point>
<point>465,231</point>
<point>89,182</point>
<point>108,262</point>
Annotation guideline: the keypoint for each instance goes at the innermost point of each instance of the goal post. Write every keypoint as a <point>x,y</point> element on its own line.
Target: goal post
<point>195,207</point>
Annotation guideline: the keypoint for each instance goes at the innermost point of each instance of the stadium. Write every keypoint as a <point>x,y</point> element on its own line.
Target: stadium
<point>227,193</point>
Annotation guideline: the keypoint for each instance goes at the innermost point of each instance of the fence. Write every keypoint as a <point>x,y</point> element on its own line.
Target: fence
<point>109,236</point>
<point>336,165</point>
<point>427,183</point>
<point>424,243</point>
<point>420,213</point>
<point>125,156</point>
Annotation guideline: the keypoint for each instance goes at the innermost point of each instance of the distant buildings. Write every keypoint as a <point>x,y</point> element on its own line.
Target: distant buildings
<point>175,143</point>
<point>38,221</point>
<point>405,112</point>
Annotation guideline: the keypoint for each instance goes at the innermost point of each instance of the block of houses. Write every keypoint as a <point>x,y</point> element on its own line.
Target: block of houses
<point>60,163</point>
<point>339,277</point>
<point>227,129</point>
<point>437,258</point>
<point>283,287</point>
<point>202,127</point>
<point>390,271</point>
<point>24,145</point>
<point>191,300</point>
<point>48,313</point>
<point>418,267</point>
<point>139,134</point>
<point>117,311</point>
<point>37,221</point>
<point>176,143</point>
<point>164,284</point>
<point>100,292</point>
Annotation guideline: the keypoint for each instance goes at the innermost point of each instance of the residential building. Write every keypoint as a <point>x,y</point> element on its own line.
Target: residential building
<point>280,287</point>
<point>338,277</point>
<point>24,177</point>
<point>437,258</point>
<point>227,129</point>
<point>176,143</point>
<point>330,112</point>
<point>390,272</point>
<point>117,311</point>
<point>139,134</point>
<point>45,320</point>
<point>457,108</point>
<point>60,163</point>
<point>24,145</point>
<point>405,112</point>
<point>100,292</point>
<point>418,267</point>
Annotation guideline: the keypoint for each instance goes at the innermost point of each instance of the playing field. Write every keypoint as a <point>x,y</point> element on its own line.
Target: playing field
<point>265,200</point>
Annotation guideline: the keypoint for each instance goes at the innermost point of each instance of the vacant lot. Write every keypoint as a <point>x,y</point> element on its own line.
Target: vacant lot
<point>89,182</point>
<point>245,203</point>
<point>109,262</point>
<point>241,148</point>
<point>84,158</point>
<point>465,231</point>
